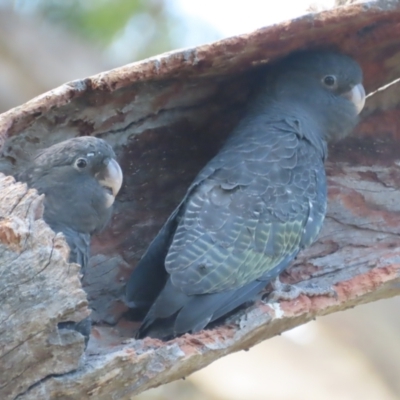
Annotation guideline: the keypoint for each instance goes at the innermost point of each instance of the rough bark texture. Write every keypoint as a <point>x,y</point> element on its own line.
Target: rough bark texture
<point>166,117</point>
<point>38,289</point>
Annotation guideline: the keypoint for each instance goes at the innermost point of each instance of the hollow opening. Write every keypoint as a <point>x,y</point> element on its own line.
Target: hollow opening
<point>161,149</point>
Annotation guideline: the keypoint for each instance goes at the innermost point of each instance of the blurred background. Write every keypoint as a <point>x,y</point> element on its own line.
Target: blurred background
<point>350,355</point>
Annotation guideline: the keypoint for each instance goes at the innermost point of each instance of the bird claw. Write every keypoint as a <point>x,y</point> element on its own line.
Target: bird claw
<point>83,327</point>
<point>284,291</point>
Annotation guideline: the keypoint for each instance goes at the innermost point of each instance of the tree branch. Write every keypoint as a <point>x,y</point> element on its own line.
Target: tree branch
<point>166,117</point>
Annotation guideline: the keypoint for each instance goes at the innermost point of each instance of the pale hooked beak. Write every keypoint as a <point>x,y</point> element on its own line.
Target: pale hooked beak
<point>111,178</point>
<point>357,97</point>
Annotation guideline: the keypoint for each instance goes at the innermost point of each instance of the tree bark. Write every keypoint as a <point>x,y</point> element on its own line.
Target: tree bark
<point>38,289</point>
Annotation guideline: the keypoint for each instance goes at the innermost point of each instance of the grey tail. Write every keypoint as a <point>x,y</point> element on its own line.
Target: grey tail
<point>149,276</point>
<point>175,313</point>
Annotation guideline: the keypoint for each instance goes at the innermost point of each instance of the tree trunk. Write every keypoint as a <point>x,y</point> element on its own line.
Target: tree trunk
<point>166,117</point>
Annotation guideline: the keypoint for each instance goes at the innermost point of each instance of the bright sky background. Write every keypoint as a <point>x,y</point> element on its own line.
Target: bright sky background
<point>232,17</point>
<point>205,21</point>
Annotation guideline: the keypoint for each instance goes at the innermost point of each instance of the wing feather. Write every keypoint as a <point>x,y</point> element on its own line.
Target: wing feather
<point>238,223</point>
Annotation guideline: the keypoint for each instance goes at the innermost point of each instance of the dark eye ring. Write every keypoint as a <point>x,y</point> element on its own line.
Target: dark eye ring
<point>81,163</point>
<point>329,80</point>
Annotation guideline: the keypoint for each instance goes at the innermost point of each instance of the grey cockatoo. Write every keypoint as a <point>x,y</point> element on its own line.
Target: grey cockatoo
<point>256,204</point>
<point>80,178</point>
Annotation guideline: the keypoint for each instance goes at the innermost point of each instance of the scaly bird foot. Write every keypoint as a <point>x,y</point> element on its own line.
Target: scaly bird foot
<point>284,291</point>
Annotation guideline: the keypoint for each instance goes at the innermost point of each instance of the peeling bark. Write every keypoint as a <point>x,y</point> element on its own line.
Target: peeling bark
<point>166,117</point>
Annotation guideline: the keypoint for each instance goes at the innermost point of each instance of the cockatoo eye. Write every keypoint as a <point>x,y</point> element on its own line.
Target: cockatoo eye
<point>81,163</point>
<point>330,81</point>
